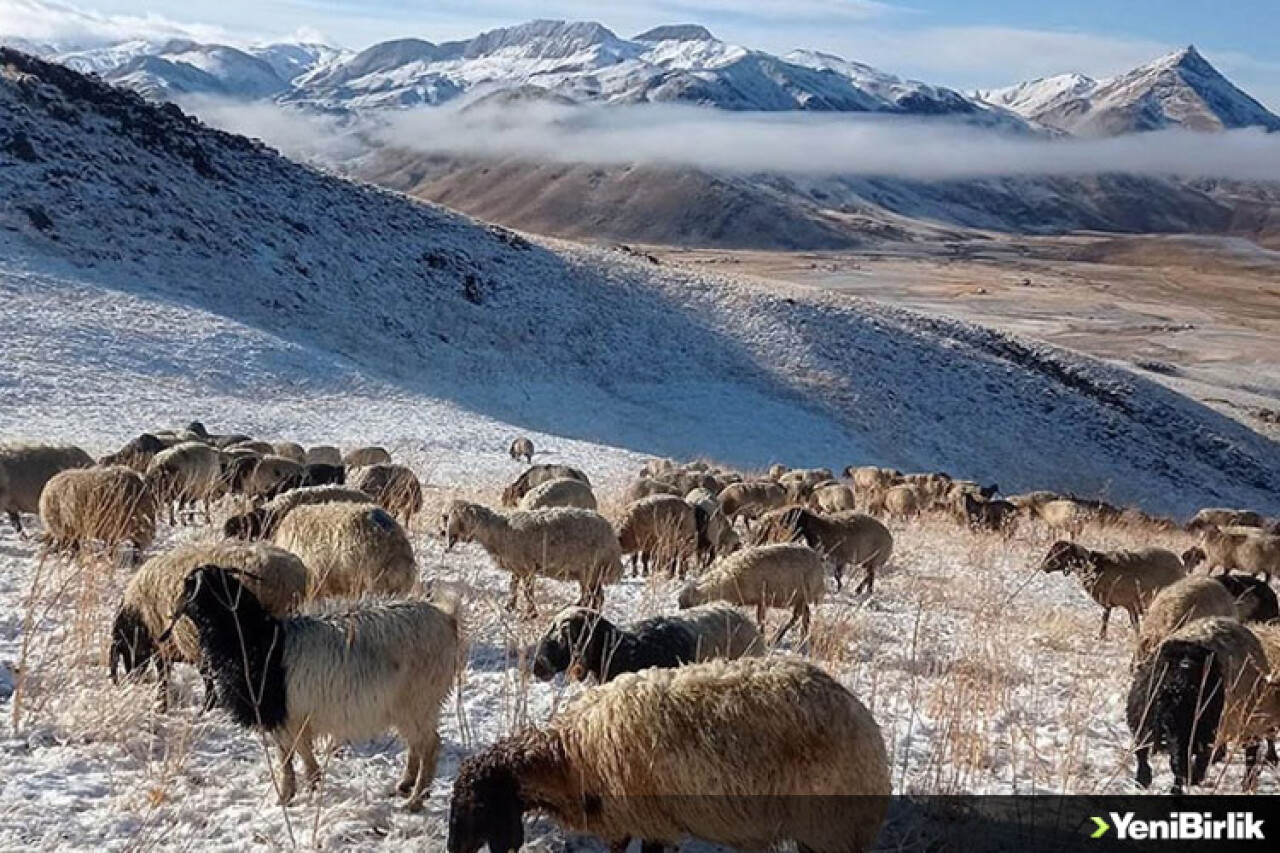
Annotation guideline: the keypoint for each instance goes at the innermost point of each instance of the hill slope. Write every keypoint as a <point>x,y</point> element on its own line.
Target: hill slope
<point>106,195</point>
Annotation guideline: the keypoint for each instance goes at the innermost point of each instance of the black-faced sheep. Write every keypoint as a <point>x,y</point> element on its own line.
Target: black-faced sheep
<point>848,540</point>
<point>1126,579</point>
<point>393,487</point>
<point>521,448</point>
<point>563,544</point>
<point>136,453</point>
<point>560,492</point>
<point>261,522</point>
<point>109,505</point>
<point>716,536</point>
<point>362,456</point>
<point>985,514</point>
<point>185,474</point>
<point>751,754</point>
<point>276,577</point>
<point>350,549</point>
<point>583,643</point>
<point>536,475</point>
<point>321,474</point>
<point>25,468</point>
<point>661,529</point>
<point>349,674</point>
<point>1255,600</point>
<point>786,576</point>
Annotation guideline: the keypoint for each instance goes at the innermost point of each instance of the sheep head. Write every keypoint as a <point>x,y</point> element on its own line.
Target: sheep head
<point>486,807</point>
<point>131,644</point>
<point>1065,557</point>
<point>576,643</point>
<point>1193,557</point>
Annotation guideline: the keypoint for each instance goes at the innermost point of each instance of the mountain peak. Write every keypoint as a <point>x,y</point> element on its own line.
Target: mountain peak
<point>543,38</point>
<point>676,32</point>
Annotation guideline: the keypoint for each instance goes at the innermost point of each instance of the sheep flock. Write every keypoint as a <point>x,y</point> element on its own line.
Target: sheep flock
<point>498,662</point>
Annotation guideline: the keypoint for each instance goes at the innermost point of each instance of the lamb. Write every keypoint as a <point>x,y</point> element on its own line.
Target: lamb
<point>848,540</point>
<point>24,470</point>
<point>350,549</point>
<point>562,544</point>
<point>582,642</point>
<point>290,450</point>
<point>1242,549</point>
<point>1255,600</point>
<point>662,755</point>
<point>521,448</point>
<point>980,514</point>
<point>110,505</point>
<point>323,454</point>
<point>136,454</point>
<point>1178,605</point>
<point>261,522</point>
<point>1206,686</point>
<point>347,674</point>
<point>394,487</point>
<point>183,475</point>
<point>276,577</point>
<point>561,492</point>
<point>1127,579</point>
<point>784,575</point>
<point>751,499</point>
<point>362,456</point>
<point>536,475</point>
<point>903,502</point>
<point>833,498</point>
<point>1212,517</point>
<point>716,536</point>
<point>662,528</point>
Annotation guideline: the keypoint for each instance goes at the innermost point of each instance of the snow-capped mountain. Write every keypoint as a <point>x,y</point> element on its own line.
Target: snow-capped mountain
<point>186,68</point>
<point>1181,89</point>
<point>290,60</point>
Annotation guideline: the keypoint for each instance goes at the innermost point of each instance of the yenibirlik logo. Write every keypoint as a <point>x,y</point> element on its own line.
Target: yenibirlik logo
<point>1181,826</point>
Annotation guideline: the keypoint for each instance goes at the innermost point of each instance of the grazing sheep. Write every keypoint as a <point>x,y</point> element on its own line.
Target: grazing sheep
<point>662,528</point>
<point>185,474</point>
<point>1205,687</point>
<point>290,450</point>
<point>871,484</point>
<point>136,454</point>
<point>1242,549</point>
<point>261,522</point>
<point>903,502</point>
<point>1030,503</point>
<point>272,475</point>
<point>683,482</point>
<point>833,498</point>
<point>654,467</point>
<point>348,674</point>
<point>1212,517</point>
<point>25,468</point>
<point>980,514</point>
<point>321,474</point>
<point>362,456</point>
<point>716,536</point>
<point>751,499</point>
<point>536,475</point>
<point>350,549</point>
<point>561,492</point>
<point>226,442</point>
<point>562,544</point>
<point>324,454</point>
<point>276,577</point>
<point>109,505</point>
<point>848,540</point>
<point>262,448</point>
<point>1066,514</point>
<point>956,488</point>
<point>786,575</point>
<point>521,448</point>
<point>1178,605</point>
<point>394,487</point>
<point>1127,579</point>
<point>582,642</point>
<point>645,487</point>
<point>1255,600</point>
<point>750,754</point>
<point>800,482</point>
<point>776,470</point>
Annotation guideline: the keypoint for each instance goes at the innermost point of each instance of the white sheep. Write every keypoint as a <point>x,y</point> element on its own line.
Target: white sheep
<point>25,468</point>
<point>362,456</point>
<point>350,549</point>
<point>560,492</point>
<point>261,522</point>
<point>1178,605</point>
<point>521,448</point>
<point>185,474</point>
<point>751,499</point>
<point>323,454</point>
<point>110,505</point>
<point>786,576</point>
<point>535,476</point>
<point>848,540</point>
<point>661,528</point>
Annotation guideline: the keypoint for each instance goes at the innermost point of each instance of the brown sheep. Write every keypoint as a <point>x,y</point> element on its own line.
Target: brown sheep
<point>1127,579</point>
<point>661,528</point>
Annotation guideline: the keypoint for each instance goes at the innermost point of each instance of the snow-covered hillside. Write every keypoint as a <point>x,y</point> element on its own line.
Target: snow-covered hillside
<point>1181,89</point>
<point>106,192</point>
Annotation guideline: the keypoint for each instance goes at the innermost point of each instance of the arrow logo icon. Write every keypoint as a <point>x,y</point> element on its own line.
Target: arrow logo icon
<point>1102,829</point>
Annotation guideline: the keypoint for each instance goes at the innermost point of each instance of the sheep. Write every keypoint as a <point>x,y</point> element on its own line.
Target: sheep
<point>185,474</point>
<point>582,642</point>
<point>1243,549</point>
<point>561,492</point>
<point>980,514</point>
<point>1212,517</point>
<point>751,499</point>
<point>656,466</point>
<point>536,475</point>
<point>521,448</point>
<point>903,502</point>
<point>645,487</point>
<point>562,543</point>
<point>716,536</point>
<point>783,575</point>
<point>136,454</point>
<point>662,528</point>
<point>776,470</point>
<point>321,474</point>
<point>1066,514</point>
<point>348,674</point>
<point>290,450</point>
<point>1205,687</point>
<point>1255,600</point>
<point>833,498</point>
<point>323,454</point>
<point>225,442</point>
<point>25,468</point>
<point>394,487</point>
<point>271,475</point>
<point>261,522</point>
<point>1029,503</point>
<point>1128,579</point>
<point>871,483</point>
<point>362,456</point>
<point>110,505</point>
<point>1179,604</point>
<point>847,540</point>
<point>276,577</point>
<point>683,482</point>
<point>800,482</point>
<point>350,549</point>
<point>750,754</point>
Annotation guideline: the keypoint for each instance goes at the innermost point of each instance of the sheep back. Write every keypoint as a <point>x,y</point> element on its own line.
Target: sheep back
<point>1179,604</point>
<point>110,505</point>
<point>350,549</point>
<point>563,492</point>
<point>780,575</point>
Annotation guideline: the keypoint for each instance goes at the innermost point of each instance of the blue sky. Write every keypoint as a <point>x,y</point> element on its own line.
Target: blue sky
<point>960,44</point>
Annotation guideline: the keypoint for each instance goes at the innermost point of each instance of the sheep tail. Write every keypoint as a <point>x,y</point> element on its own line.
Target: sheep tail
<point>1187,707</point>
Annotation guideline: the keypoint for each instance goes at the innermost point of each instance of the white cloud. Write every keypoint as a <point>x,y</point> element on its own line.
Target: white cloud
<point>42,21</point>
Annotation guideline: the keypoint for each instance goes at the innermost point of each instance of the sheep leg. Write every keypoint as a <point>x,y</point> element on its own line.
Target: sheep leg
<point>1143,776</point>
<point>868,581</point>
<point>514,593</point>
<point>795,617</point>
<point>162,689</point>
<point>410,777</point>
<point>760,614</point>
<point>839,574</point>
<point>531,607</point>
<point>426,771</point>
<point>304,748</point>
<point>16,521</point>
<point>1106,616</point>
<point>1134,620</point>
<point>1251,769</point>
<point>210,690</point>
<point>1272,758</point>
<point>288,780</point>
